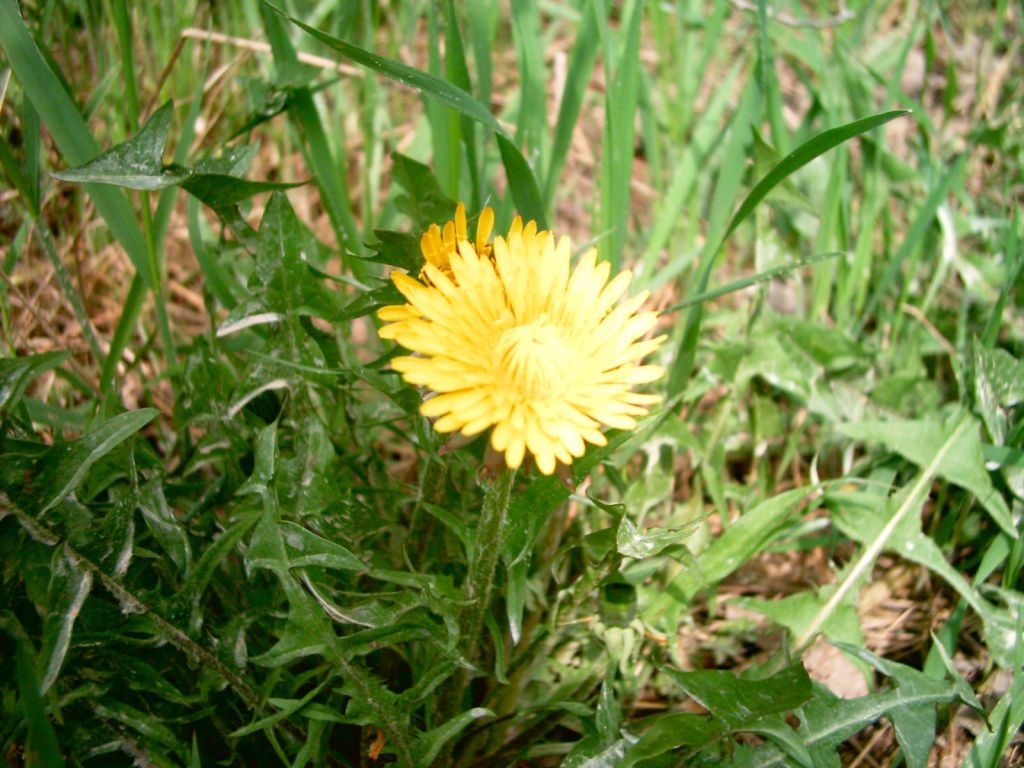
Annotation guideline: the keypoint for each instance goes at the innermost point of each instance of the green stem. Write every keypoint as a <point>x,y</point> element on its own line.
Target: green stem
<point>486,551</point>
<point>483,564</point>
<point>422,523</point>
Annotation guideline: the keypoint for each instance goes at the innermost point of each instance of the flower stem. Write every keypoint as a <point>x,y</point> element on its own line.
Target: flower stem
<point>486,550</point>
<point>483,564</point>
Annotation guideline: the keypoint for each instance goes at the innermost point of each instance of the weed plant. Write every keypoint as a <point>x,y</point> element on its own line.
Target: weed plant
<point>229,536</point>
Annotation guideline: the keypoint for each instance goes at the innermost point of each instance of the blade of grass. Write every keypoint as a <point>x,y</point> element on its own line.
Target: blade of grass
<point>823,278</point>
<point>522,181</point>
<point>122,334</point>
<point>769,82</point>
<point>214,276</point>
<point>42,233</point>
<point>123,26</point>
<point>444,128</point>
<point>530,120</point>
<point>617,145</point>
<point>328,173</point>
<point>911,503</point>
<point>706,134</point>
<point>1013,257</point>
<point>581,65</point>
<point>457,72</point>
<point>726,188</point>
<point>69,131</point>
<point>760,277</point>
<point>914,235</point>
<point>481,18</point>
<point>802,155</point>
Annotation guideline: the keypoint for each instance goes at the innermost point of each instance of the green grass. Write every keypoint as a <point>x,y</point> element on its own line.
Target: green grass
<point>228,536</point>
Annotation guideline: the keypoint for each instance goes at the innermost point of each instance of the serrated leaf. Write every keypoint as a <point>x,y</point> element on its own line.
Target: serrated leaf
<point>165,527</point>
<point>194,586</point>
<point>69,587</point>
<point>64,466</point>
<point>371,301</point>
<point>961,464</point>
<point>827,721</point>
<point>136,163</point>
<point>306,548</point>
<point>424,201</point>
<point>914,723</point>
<point>266,549</point>
<point>682,729</point>
<point>221,192</point>
<point>738,701</point>
<point>430,743</point>
<point>754,530</point>
<point>630,542</point>
<point>306,632</point>
<point>397,249</point>
<point>282,278</point>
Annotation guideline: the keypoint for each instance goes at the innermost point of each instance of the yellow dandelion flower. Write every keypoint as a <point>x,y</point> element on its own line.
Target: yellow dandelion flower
<point>510,336</point>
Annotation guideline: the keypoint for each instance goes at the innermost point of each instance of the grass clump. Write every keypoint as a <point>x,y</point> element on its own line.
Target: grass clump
<point>786,533</point>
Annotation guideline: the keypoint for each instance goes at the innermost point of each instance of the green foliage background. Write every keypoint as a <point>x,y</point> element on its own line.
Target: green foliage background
<point>246,547</point>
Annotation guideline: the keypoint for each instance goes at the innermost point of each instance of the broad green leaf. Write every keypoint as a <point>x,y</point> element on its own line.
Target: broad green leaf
<point>796,612</point>
<point>136,163</point>
<point>631,542</point>
<point>914,723</point>
<point>961,461</point>
<point>907,503</point>
<point>754,531</point>
<point>682,729</point>
<point>827,721</point>
<point>863,517</point>
<point>737,701</point>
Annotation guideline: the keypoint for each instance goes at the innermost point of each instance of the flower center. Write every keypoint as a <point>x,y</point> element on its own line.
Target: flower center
<point>534,358</point>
